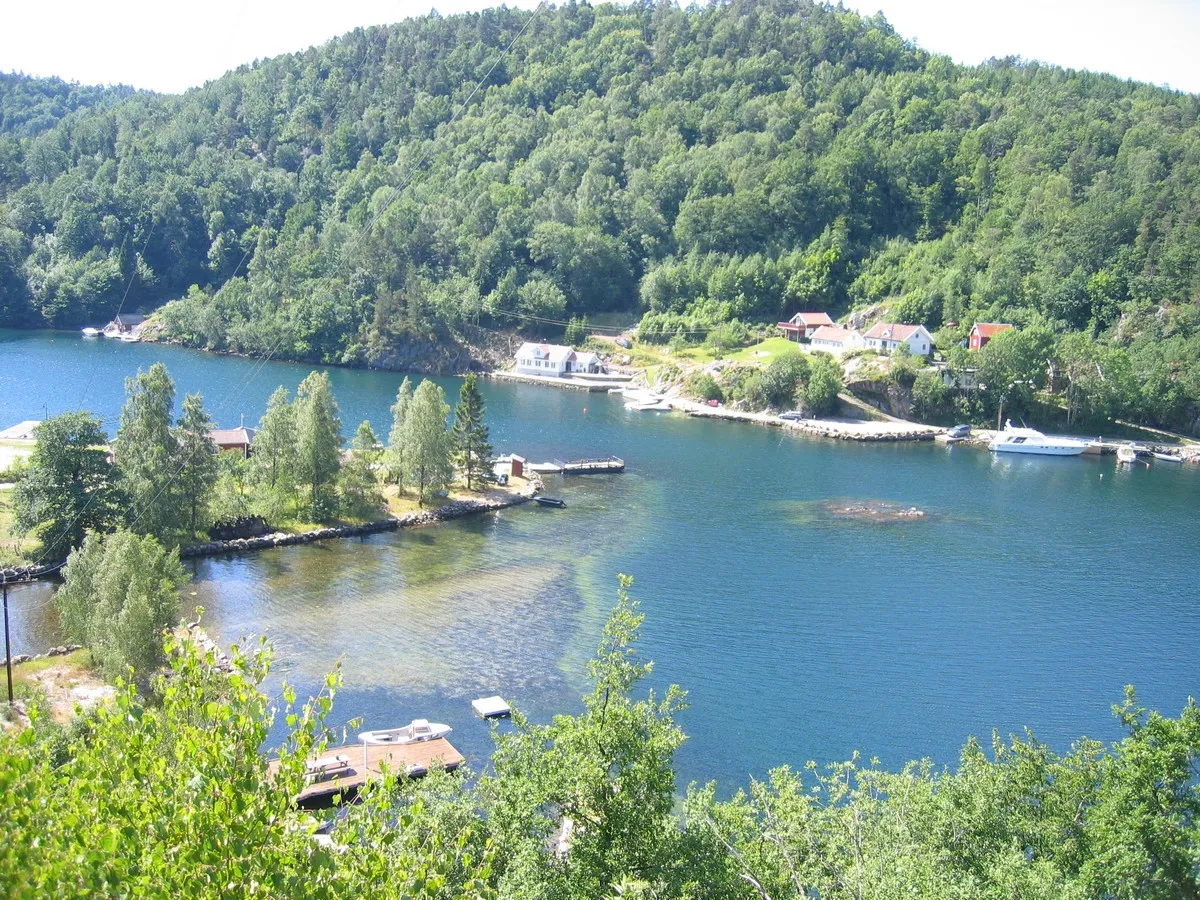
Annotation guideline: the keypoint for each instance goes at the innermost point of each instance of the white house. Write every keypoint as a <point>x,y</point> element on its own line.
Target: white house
<point>887,336</point>
<point>554,359</point>
<point>835,340</point>
<point>803,324</point>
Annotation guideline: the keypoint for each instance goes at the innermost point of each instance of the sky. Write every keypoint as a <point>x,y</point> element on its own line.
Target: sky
<point>170,46</point>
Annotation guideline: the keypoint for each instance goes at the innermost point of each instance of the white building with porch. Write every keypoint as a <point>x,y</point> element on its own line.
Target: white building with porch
<point>555,359</point>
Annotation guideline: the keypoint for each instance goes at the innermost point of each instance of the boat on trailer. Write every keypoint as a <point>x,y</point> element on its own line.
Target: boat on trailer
<point>1028,440</point>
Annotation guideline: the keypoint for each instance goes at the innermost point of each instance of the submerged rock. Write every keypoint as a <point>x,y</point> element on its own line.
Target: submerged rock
<point>872,511</point>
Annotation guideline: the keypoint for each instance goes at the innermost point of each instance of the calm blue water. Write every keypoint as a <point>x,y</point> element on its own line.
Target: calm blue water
<point>1034,590</point>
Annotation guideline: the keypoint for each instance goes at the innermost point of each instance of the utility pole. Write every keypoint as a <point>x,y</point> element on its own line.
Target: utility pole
<point>7,645</point>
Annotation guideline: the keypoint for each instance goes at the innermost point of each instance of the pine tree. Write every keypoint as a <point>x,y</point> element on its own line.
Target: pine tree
<point>147,454</point>
<point>426,443</point>
<point>318,440</point>
<point>472,449</point>
<point>197,466</point>
<point>393,459</point>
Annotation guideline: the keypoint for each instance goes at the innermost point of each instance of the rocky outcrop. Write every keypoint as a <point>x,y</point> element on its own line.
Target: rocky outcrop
<point>27,573</point>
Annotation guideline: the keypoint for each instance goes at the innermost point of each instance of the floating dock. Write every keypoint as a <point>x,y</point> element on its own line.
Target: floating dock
<point>491,707</point>
<point>600,466</point>
<point>415,759</point>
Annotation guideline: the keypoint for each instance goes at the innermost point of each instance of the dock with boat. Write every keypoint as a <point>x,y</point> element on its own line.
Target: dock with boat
<point>344,770</point>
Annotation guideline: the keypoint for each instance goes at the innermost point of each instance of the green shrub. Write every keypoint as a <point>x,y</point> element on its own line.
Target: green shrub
<point>703,386</point>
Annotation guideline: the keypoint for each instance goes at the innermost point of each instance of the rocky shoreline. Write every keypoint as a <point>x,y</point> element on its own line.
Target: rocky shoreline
<point>453,510</point>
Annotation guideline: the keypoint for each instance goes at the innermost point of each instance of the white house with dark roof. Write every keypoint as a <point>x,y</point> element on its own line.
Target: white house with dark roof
<point>555,359</point>
<point>887,336</point>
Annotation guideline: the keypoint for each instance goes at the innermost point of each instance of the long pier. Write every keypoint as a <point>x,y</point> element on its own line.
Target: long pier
<point>413,760</point>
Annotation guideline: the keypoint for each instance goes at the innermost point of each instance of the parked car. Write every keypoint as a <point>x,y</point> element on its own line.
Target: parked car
<point>624,342</point>
<point>793,415</point>
<point>959,431</point>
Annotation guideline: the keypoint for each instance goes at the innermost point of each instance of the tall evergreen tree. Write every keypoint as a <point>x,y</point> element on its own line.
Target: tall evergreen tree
<point>472,449</point>
<point>393,459</point>
<point>426,443</point>
<point>318,440</point>
<point>197,466</point>
<point>69,488</point>
<point>147,453</point>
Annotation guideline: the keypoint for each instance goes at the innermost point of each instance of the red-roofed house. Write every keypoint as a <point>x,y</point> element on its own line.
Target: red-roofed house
<point>887,336</point>
<point>802,325</point>
<point>982,332</point>
<point>236,440</point>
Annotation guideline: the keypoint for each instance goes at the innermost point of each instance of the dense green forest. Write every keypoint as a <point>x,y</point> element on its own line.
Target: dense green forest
<point>736,161</point>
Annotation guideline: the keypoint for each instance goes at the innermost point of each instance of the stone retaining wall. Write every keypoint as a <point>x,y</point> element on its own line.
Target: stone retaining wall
<point>453,510</point>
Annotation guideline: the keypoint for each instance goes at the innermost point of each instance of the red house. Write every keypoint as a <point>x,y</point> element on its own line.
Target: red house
<point>802,325</point>
<point>982,332</point>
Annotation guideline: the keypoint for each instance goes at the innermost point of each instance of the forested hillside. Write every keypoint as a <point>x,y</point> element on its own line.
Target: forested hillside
<point>741,160</point>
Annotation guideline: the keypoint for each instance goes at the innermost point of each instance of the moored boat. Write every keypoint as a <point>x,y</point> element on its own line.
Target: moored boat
<point>1126,455</point>
<point>415,731</point>
<point>91,332</point>
<point>551,501</point>
<point>1028,440</point>
<point>1167,457</point>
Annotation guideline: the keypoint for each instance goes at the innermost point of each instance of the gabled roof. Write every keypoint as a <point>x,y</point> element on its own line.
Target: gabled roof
<point>891,331</point>
<point>811,319</point>
<point>552,352</point>
<point>990,329</point>
<point>232,437</point>
<point>22,431</point>
<point>131,319</point>
<point>832,334</point>
<point>586,358</point>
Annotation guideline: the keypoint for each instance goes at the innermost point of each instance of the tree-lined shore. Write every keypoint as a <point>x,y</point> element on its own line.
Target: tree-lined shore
<point>692,168</point>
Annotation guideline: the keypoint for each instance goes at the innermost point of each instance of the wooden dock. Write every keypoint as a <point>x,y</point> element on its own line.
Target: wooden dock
<point>600,466</point>
<point>415,759</point>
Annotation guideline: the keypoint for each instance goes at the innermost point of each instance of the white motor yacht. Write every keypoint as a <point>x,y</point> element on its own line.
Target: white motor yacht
<point>1027,440</point>
<point>91,332</point>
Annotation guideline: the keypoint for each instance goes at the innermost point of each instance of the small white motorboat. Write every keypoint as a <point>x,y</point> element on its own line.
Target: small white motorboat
<point>1126,455</point>
<point>650,406</point>
<point>91,332</point>
<point>1167,457</point>
<point>415,731</point>
<point>1027,440</point>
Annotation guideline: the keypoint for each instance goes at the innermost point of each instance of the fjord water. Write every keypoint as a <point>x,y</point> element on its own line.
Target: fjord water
<point>1029,595</point>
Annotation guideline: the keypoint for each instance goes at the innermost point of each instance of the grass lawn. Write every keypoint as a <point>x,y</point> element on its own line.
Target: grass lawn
<point>764,352</point>
<point>13,550</point>
<point>401,504</point>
